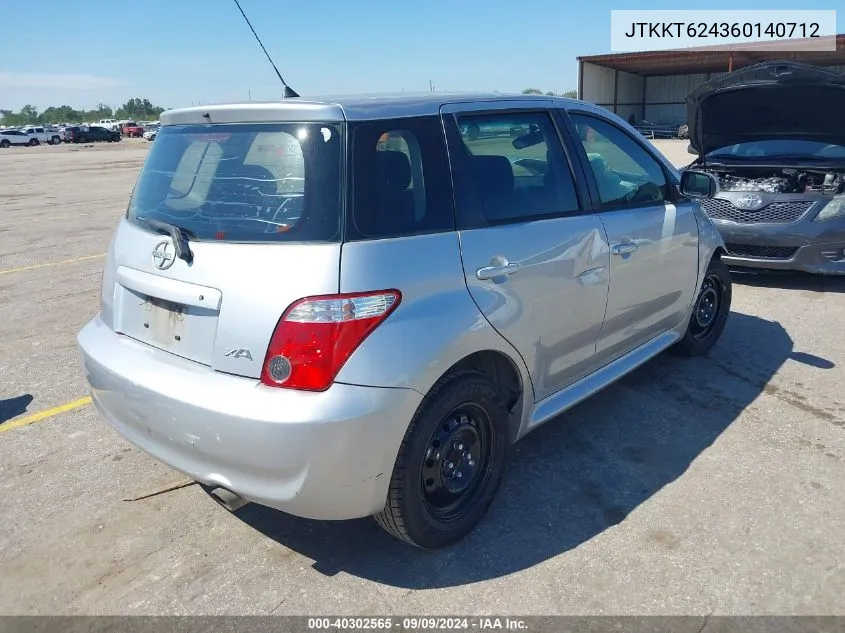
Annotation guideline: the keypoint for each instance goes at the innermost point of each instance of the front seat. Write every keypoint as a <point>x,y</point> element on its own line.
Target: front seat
<point>495,179</point>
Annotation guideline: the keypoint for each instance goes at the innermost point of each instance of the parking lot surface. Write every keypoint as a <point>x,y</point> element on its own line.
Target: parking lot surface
<point>703,486</point>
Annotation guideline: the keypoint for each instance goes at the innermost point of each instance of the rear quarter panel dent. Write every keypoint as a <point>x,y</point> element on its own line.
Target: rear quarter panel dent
<point>436,324</point>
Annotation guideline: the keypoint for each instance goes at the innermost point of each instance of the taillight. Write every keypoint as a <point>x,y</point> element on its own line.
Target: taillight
<point>317,335</point>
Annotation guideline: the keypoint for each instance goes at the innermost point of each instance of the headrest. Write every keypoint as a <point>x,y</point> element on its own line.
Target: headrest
<point>254,178</point>
<point>393,170</point>
<point>495,173</point>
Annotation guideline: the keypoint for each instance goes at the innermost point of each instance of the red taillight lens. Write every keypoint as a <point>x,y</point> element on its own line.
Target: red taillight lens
<point>317,335</point>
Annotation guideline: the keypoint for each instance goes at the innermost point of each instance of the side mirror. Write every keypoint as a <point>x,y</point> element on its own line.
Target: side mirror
<point>691,149</point>
<point>698,184</point>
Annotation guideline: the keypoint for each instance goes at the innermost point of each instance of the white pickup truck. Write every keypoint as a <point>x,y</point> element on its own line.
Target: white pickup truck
<point>40,134</point>
<point>110,124</point>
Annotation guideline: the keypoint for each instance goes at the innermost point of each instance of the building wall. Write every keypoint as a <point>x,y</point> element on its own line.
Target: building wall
<point>665,96</point>
<point>617,91</point>
<point>664,100</point>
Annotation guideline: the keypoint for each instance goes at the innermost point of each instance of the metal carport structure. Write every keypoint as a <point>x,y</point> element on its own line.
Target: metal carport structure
<point>653,85</point>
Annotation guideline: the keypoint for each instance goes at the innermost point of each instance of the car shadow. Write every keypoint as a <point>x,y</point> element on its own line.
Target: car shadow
<point>789,280</point>
<point>13,407</point>
<point>571,479</point>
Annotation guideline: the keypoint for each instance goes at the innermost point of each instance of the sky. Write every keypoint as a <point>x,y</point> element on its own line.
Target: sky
<point>183,52</point>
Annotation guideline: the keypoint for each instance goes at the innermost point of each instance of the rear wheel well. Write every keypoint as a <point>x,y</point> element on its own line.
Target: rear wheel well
<point>501,371</point>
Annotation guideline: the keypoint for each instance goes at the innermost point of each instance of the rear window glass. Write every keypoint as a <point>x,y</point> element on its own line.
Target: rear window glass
<point>244,182</point>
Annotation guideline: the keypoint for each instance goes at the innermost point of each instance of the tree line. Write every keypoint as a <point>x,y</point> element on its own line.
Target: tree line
<point>572,94</point>
<point>135,108</point>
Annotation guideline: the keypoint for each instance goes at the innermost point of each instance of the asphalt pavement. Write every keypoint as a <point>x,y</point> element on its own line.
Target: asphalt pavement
<point>703,486</point>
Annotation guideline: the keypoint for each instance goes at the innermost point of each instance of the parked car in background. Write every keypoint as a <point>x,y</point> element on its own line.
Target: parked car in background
<point>132,130</point>
<point>109,124</point>
<point>656,130</point>
<point>68,132</point>
<point>772,135</point>
<point>83,134</point>
<point>15,137</point>
<point>43,135</point>
<point>150,132</point>
<point>434,296</point>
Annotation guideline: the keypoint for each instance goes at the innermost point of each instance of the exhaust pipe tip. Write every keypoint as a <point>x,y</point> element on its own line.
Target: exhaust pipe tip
<point>228,499</point>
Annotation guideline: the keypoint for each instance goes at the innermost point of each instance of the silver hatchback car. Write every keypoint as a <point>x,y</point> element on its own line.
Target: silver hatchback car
<point>353,307</point>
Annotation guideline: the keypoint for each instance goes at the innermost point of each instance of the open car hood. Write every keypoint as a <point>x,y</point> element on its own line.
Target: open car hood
<point>772,100</point>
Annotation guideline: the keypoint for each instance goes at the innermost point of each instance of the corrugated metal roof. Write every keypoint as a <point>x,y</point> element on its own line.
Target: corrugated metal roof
<point>710,59</point>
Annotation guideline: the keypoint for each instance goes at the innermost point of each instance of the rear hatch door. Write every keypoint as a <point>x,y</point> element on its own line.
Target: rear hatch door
<point>258,206</point>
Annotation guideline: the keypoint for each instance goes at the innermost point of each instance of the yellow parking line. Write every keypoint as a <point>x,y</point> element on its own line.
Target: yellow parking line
<point>43,415</point>
<point>67,261</point>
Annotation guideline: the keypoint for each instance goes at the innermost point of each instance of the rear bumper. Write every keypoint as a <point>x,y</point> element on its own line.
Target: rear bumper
<point>322,455</point>
<point>807,246</point>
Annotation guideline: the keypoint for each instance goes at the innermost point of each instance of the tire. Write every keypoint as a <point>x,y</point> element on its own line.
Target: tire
<point>55,140</point>
<point>436,496</point>
<point>710,312</point>
<point>33,142</point>
<point>5,143</point>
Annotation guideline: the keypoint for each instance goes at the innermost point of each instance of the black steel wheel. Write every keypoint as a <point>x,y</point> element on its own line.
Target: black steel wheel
<point>458,462</point>
<point>706,310</point>
<point>450,464</point>
<point>710,310</point>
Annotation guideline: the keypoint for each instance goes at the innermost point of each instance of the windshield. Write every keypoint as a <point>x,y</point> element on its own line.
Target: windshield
<point>780,148</point>
<point>244,182</point>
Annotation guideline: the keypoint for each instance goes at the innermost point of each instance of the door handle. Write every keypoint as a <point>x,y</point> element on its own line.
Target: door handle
<point>625,248</point>
<point>490,272</point>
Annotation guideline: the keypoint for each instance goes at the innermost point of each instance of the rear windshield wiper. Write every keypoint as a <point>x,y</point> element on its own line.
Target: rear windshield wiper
<point>179,235</point>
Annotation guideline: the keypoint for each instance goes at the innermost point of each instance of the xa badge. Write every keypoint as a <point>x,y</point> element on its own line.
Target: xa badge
<point>164,254</point>
<point>239,353</point>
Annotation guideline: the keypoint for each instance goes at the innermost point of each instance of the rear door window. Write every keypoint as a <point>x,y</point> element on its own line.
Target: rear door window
<point>244,182</point>
<point>400,175</point>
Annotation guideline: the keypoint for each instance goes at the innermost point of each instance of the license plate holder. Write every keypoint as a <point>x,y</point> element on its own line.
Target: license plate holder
<point>164,320</point>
